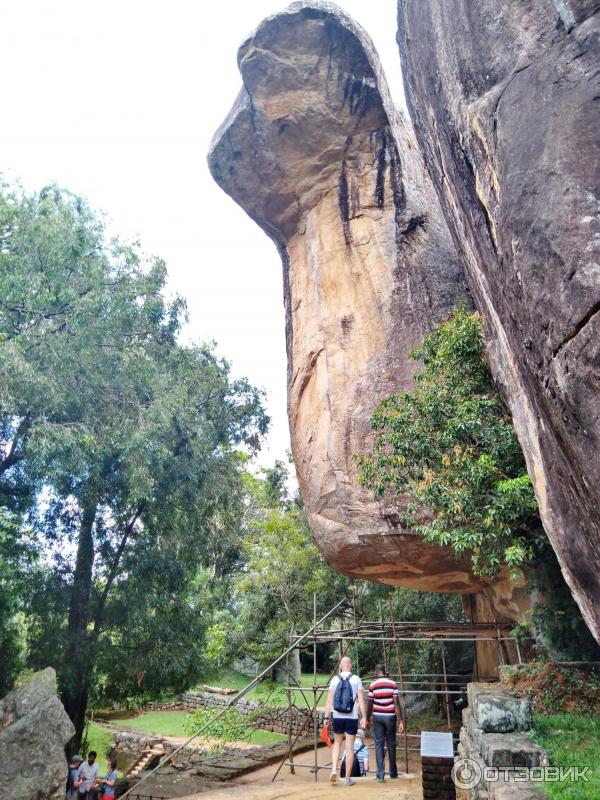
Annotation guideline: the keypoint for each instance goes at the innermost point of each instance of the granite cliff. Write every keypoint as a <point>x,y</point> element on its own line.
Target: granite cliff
<point>504,99</point>
<point>318,156</point>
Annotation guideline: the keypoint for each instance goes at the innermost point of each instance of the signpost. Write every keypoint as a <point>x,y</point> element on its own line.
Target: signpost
<point>437,760</point>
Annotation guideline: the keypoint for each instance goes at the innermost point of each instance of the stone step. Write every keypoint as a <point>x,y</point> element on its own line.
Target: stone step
<point>512,750</point>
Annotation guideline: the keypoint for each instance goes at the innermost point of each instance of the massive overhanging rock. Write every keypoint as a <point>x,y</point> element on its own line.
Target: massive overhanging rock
<point>317,155</point>
<point>504,97</point>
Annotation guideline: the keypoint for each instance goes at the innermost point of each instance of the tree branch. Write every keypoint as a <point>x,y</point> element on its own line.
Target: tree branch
<point>112,573</point>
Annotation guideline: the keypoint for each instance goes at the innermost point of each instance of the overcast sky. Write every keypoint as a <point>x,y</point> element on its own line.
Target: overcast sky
<point>118,100</point>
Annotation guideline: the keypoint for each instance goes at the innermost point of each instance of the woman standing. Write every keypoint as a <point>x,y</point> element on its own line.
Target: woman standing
<point>109,782</point>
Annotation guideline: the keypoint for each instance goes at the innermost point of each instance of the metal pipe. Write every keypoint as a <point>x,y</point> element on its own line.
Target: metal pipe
<point>314,710</point>
<point>232,702</point>
<point>446,689</point>
<point>404,719</point>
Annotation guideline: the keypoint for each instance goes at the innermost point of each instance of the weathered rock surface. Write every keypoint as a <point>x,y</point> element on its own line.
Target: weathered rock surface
<point>493,734</point>
<point>316,154</point>
<point>504,99</point>
<point>498,710</point>
<point>34,728</point>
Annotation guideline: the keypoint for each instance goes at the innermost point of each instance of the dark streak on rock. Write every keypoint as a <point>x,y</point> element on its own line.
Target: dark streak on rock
<point>381,164</point>
<point>396,184</point>
<point>346,323</point>
<point>287,301</point>
<point>344,196</point>
<point>358,95</point>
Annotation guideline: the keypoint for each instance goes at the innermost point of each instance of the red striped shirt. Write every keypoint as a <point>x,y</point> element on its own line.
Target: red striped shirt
<point>382,692</point>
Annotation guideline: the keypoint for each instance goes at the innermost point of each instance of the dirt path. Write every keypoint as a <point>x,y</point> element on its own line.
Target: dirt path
<point>258,785</point>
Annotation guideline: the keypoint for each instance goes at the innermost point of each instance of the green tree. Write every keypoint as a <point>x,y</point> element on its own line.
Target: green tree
<point>124,437</point>
<point>282,569</point>
<point>16,558</point>
<point>448,448</point>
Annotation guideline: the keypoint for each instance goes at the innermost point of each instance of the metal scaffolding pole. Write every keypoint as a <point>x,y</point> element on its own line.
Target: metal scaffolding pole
<point>315,713</point>
<point>403,695</point>
<point>235,699</point>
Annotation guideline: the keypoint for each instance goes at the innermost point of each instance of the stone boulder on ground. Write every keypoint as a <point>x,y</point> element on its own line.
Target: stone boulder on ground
<point>34,729</point>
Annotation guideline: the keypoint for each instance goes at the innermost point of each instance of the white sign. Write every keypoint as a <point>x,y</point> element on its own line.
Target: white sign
<point>436,745</point>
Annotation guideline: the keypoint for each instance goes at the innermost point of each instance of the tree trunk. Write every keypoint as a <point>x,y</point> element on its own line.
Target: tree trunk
<point>78,660</point>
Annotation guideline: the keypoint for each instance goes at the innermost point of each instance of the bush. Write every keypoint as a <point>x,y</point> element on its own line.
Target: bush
<point>448,448</point>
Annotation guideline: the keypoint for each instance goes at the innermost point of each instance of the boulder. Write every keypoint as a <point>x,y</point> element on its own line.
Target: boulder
<point>317,155</point>
<point>498,710</point>
<point>504,100</point>
<point>34,729</point>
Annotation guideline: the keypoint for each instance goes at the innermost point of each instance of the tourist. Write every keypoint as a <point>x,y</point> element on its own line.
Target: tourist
<point>384,710</point>
<point>72,777</point>
<point>360,766</point>
<point>86,777</point>
<point>109,782</point>
<point>344,699</point>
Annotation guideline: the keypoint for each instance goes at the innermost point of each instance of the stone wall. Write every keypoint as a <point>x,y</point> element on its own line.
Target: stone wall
<point>277,720</point>
<point>495,734</point>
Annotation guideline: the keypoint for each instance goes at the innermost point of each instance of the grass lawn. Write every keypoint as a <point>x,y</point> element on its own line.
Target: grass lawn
<point>171,723</point>
<point>163,723</point>
<point>229,679</point>
<point>99,740</point>
<point>266,737</point>
<point>572,740</point>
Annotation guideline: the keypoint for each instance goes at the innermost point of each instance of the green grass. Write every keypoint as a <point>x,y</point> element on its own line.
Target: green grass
<point>274,692</point>
<point>99,740</point>
<point>265,737</point>
<point>172,723</point>
<point>572,740</point>
<point>163,723</point>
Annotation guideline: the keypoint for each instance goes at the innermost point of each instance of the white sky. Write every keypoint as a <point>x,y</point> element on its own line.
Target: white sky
<point>118,100</point>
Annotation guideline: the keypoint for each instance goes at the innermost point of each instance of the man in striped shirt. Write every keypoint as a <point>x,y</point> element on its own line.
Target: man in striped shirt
<point>384,710</point>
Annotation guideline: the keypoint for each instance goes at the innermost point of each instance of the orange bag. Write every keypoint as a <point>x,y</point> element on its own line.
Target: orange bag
<point>325,736</point>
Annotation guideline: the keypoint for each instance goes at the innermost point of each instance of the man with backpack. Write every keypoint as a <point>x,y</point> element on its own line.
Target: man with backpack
<point>345,699</point>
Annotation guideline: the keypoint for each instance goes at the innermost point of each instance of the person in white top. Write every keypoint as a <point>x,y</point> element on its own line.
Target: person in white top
<point>345,722</point>
<point>86,777</point>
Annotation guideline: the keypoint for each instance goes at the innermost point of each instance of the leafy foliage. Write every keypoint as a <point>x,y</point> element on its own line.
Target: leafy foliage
<point>564,634</point>
<point>16,557</point>
<point>555,687</point>
<point>118,444</point>
<point>282,568</point>
<point>448,450</point>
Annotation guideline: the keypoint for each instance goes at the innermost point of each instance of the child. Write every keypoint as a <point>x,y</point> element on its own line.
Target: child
<point>360,767</point>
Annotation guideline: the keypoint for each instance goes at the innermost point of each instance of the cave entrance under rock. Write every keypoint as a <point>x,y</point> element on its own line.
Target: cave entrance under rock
<point>345,627</point>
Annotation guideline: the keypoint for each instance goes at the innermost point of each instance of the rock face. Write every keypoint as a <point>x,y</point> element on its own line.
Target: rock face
<point>504,99</point>
<point>34,729</point>
<point>316,154</point>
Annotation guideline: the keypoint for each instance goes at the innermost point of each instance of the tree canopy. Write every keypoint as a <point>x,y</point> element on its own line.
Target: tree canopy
<point>117,444</point>
<point>448,450</point>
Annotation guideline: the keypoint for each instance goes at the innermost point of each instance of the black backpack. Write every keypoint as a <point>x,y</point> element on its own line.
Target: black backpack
<point>343,699</point>
<point>356,765</point>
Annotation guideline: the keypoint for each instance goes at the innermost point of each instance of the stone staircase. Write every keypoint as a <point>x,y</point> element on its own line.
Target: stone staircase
<point>143,761</point>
